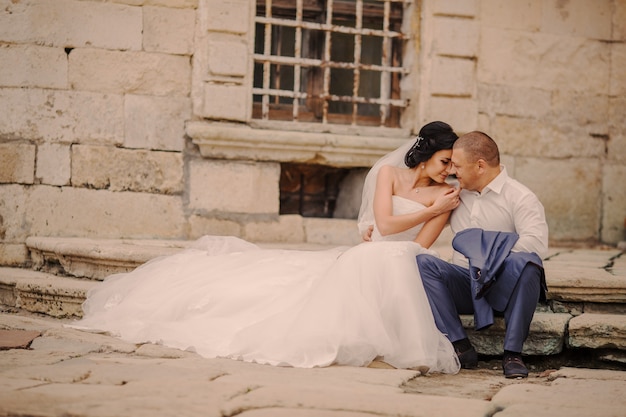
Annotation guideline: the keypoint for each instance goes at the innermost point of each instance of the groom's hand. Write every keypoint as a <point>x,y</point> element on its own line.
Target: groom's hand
<point>367,235</point>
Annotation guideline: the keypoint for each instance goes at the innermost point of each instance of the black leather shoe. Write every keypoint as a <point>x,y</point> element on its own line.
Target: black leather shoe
<point>468,358</point>
<point>514,367</point>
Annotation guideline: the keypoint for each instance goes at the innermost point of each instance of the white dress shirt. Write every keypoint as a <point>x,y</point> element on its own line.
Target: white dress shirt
<point>504,205</point>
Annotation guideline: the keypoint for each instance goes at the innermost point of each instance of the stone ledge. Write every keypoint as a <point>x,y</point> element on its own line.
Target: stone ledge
<point>40,292</point>
<point>598,331</point>
<point>96,258</point>
<point>584,284</point>
<point>547,334</point>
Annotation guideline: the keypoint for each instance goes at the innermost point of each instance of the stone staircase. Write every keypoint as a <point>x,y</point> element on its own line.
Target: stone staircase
<point>586,311</point>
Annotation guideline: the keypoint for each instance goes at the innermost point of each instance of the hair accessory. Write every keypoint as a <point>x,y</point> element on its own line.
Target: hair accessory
<point>419,141</point>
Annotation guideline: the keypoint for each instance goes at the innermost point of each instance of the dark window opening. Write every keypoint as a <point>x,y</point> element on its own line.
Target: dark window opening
<point>310,190</point>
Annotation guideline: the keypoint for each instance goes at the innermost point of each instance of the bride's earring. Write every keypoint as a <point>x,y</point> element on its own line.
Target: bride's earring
<point>423,166</point>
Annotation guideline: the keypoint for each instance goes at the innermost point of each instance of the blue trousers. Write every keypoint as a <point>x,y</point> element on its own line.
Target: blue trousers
<point>449,294</point>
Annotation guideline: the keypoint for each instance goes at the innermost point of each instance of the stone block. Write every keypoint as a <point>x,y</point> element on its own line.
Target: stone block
<point>547,334</point>
<point>116,169</point>
<point>464,118</point>
<point>65,211</point>
<point>570,201</point>
<point>456,37</point>
<point>613,203</point>
<point>201,226</point>
<point>619,21</point>
<point>168,30</point>
<point>288,229</point>
<point>517,102</point>
<point>229,102</point>
<point>581,18</point>
<point>513,14</point>
<point>130,72</point>
<point>616,145</point>
<point>228,58</point>
<point>33,66</point>
<point>227,16</point>
<point>335,232</point>
<point>12,212</point>
<point>545,61</point>
<point>62,116</point>
<point>597,331</point>
<point>577,284</point>
<point>13,254</point>
<point>156,122</point>
<point>453,77</point>
<point>236,187</point>
<point>183,4</point>
<point>468,8</point>
<point>74,24</point>
<point>17,162</point>
<point>617,86</point>
<point>53,164</point>
<point>533,138</point>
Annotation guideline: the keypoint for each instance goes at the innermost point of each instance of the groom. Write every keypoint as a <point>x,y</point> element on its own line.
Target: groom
<point>497,213</point>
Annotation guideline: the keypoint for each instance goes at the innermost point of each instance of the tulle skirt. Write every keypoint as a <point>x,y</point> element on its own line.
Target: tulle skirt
<point>226,297</point>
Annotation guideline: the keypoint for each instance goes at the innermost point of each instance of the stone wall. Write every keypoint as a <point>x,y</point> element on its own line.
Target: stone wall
<point>131,118</point>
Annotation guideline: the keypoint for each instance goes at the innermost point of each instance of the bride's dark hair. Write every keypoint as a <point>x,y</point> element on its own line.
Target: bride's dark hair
<point>432,137</point>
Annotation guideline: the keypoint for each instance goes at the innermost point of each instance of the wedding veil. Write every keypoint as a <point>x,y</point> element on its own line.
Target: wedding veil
<point>394,158</point>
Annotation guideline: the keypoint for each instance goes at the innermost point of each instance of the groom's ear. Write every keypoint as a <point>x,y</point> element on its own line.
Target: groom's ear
<point>482,166</point>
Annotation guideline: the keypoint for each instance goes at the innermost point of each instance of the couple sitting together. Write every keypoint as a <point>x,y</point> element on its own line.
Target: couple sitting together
<point>390,298</point>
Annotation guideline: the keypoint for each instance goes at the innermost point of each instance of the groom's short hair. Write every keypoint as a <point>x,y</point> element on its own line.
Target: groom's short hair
<point>479,145</point>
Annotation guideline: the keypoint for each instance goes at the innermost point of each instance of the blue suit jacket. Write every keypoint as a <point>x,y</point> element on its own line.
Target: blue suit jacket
<point>488,255</point>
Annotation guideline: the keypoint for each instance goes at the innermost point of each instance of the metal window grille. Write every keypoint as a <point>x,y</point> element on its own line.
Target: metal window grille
<point>329,61</point>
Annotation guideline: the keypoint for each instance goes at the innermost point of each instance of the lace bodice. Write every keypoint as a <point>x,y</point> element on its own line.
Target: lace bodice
<point>401,205</point>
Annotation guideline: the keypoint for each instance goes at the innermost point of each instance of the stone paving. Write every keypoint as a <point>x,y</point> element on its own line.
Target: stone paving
<point>66,372</point>
<point>47,369</point>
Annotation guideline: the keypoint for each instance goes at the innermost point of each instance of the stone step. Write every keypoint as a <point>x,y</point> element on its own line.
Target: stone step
<point>40,292</point>
<point>96,258</point>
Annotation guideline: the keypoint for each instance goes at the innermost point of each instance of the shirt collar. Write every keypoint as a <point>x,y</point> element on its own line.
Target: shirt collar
<point>498,182</point>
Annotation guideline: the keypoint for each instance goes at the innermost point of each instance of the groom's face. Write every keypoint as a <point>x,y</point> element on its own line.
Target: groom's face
<point>466,171</point>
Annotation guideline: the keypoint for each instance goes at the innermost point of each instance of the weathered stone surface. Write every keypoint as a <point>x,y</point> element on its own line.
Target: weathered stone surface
<point>33,66</point>
<point>589,19</point>
<point>542,60</point>
<point>331,231</point>
<point>200,225</point>
<point>616,144</point>
<point>129,72</point>
<point>288,229</point>
<point>53,164</point>
<point>13,254</point>
<point>455,8</point>
<point>526,137</point>
<point>524,102</point>
<point>168,30</point>
<point>228,57</point>
<point>614,203</point>
<point>570,201</point>
<point>227,102</point>
<point>465,116</point>
<point>547,335</point>
<point>117,169</point>
<point>238,187</point>
<point>62,116</point>
<point>75,24</point>
<point>453,76</point>
<point>233,16</point>
<point>155,123</point>
<point>17,163</point>
<point>456,37</point>
<point>515,14</point>
<point>71,212</point>
<point>598,331</point>
<point>564,397</point>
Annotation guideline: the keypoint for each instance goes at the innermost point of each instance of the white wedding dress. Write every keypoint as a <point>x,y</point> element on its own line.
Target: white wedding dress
<point>226,297</point>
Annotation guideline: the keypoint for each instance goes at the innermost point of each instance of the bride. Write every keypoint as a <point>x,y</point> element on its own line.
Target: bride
<point>225,297</point>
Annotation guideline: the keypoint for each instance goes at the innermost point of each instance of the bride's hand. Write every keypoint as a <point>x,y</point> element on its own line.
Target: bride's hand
<point>447,201</point>
<point>367,234</point>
